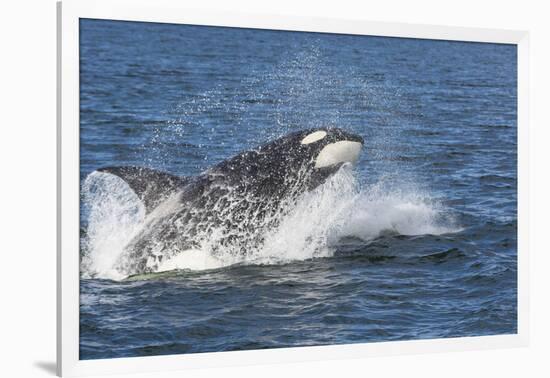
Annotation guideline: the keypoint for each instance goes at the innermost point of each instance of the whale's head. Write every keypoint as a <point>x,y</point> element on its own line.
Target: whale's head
<point>327,149</point>
<point>321,152</point>
<point>304,158</point>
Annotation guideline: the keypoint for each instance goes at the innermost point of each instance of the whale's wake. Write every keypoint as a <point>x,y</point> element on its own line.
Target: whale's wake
<point>307,229</point>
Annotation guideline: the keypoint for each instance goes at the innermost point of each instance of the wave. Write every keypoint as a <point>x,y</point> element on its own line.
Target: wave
<point>311,228</point>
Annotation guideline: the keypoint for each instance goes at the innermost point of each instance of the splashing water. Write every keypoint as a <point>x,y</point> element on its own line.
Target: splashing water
<point>310,229</point>
<point>115,217</point>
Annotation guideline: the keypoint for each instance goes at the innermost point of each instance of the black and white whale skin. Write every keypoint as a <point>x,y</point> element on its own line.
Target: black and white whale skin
<point>233,202</point>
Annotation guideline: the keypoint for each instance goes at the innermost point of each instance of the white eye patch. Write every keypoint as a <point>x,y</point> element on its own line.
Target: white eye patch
<point>314,137</point>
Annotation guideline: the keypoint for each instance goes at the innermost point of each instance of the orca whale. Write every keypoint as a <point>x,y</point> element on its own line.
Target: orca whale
<point>234,201</point>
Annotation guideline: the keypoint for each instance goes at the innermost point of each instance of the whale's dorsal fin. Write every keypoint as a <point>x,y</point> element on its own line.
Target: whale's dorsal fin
<point>151,186</point>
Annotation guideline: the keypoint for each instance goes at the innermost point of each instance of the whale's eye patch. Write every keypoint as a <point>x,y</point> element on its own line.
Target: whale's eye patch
<point>314,137</point>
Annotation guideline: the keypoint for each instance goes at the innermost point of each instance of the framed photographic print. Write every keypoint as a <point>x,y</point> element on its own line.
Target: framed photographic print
<point>239,188</point>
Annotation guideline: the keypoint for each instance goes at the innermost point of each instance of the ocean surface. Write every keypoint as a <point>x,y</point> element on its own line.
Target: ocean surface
<point>417,241</point>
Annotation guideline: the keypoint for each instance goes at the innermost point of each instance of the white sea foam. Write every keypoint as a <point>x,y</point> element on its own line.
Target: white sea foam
<point>310,229</point>
<point>115,216</point>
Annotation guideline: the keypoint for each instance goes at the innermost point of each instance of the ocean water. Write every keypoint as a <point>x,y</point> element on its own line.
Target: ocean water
<point>417,241</point>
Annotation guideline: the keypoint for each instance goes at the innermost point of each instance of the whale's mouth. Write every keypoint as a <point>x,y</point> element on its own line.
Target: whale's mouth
<point>337,153</point>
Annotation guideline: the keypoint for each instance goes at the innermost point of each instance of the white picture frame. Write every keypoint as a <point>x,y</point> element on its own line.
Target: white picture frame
<point>172,11</point>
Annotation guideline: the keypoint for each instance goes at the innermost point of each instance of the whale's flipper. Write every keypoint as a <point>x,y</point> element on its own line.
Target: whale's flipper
<point>151,186</point>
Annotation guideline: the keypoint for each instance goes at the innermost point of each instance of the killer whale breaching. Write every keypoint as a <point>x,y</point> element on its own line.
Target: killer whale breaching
<point>236,200</point>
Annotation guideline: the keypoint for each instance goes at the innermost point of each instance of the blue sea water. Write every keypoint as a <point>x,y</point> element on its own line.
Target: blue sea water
<point>418,241</point>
